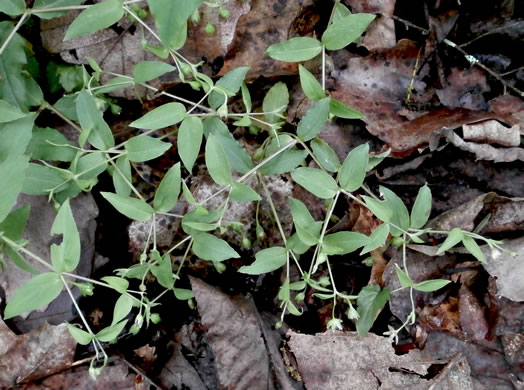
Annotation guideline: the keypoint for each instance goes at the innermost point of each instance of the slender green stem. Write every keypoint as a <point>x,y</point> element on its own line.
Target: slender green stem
<point>13,32</point>
<point>123,176</point>
<point>49,107</point>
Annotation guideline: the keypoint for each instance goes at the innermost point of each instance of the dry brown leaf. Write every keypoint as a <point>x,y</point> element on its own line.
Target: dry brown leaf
<point>246,356</point>
<point>339,361</point>
<point>492,132</point>
<point>34,355</point>
<point>472,318</point>
<point>381,32</point>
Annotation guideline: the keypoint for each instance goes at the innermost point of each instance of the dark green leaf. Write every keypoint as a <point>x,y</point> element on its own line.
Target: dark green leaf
<point>325,155</point>
<point>208,247</point>
<point>400,213</point>
<point>150,70</point>
<point>295,49</point>
<point>122,176</point>
<point>346,30</point>
<point>189,141</point>
<point>275,102</point>
<point>94,128</point>
<point>166,115</point>
<point>354,168</point>
<point>421,209</point>
<point>144,148</point>
<point>311,87</point>
<point>65,256</point>
<point>267,260</point>
<point>341,243</point>
<point>15,137</point>
<point>168,190</point>
<point>40,180</point>
<point>34,294</point>
<point>313,122</point>
<point>95,18</point>
<point>370,302</point>
<point>41,146</point>
<point>316,181</point>
<point>216,162</point>
<point>9,113</point>
<point>133,208</point>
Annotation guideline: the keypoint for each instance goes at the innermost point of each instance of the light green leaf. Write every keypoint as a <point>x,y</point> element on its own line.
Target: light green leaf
<point>316,181</point>
<point>354,168</point>
<point>376,239</point>
<point>15,137</point>
<point>189,141</point>
<point>81,336</point>
<point>39,180</point>
<point>111,332</point>
<point>216,162</point>
<point>119,284</point>
<point>133,208</point>
<point>421,209</point>
<point>20,261</point>
<point>144,148</point>
<point>90,166</point>
<point>40,147</point>
<point>284,162</point>
<point>295,49</point>
<point>309,235</point>
<point>308,230</point>
<point>311,87</point>
<point>16,86</point>
<point>164,272</point>
<point>325,155</point>
<point>34,294</point>
<point>379,208</point>
<point>473,248</point>
<point>124,169</point>
<point>94,128</point>
<point>403,277</point>
<point>346,30</point>
<point>171,20</point>
<point>275,102</point>
<point>431,285</point>
<point>400,215</point>
<point>44,4</point>
<point>231,82</point>
<point>246,96</point>
<point>267,260</point>
<point>123,307</point>
<point>340,11</point>
<point>377,159</point>
<point>295,244</point>
<point>454,237</point>
<point>168,190</point>
<point>341,243</point>
<point>313,122</point>
<point>243,193</point>
<point>95,18</point>
<point>115,84</point>
<point>183,294</point>
<point>341,110</point>
<point>12,7</point>
<point>370,302</point>
<point>149,70</point>
<point>166,115</point>
<point>65,256</point>
<point>67,106</point>
<point>208,247</point>
<point>9,113</point>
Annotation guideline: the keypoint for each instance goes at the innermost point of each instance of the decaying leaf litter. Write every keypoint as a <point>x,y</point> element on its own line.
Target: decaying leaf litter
<point>437,110</point>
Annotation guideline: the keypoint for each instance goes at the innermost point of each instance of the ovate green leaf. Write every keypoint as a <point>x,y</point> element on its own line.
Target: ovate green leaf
<point>316,181</point>
<point>133,208</point>
<point>12,7</point>
<point>123,307</point>
<point>9,113</point>
<point>189,141</point>
<point>267,260</point>
<point>166,115</point>
<point>275,102</point>
<point>403,277</point>
<point>216,162</point>
<point>454,237</point>
<point>376,239</point>
<point>111,332</point>
<point>346,30</point>
<point>354,168</point>
<point>41,145</point>
<point>168,190</point>
<point>65,256</point>
<point>208,247</point>
<point>150,70</point>
<point>81,336</point>
<point>231,82</point>
<point>341,243</point>
<point>12,173</point>
<point>95,18</point>
<point>325,155</point>
<point>310,85</point>
<point>341,110</point>
<point>313,122</point>
<point>243,193</point>
<point>15,137</point>
<point>94,128</point>
<point>400,216</point>
<point>122,176</point>
<point>34,294</point>
<point>144,148</point>
<point>40,180</point>
<point>431,285</point>
<point>421,209</point>
<point>295,49</point>
<point>370,301</point>
<point>473,248</point>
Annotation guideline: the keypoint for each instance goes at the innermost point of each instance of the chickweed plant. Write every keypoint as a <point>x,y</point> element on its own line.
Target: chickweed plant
<point>41,161</point>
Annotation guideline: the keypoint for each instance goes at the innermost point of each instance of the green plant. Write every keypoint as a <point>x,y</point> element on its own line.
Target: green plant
<point>43,162</point>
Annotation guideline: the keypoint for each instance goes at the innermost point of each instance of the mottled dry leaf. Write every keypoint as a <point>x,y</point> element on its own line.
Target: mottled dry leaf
<point>34,355</point>
<point>492,132</point>
<point>340,361</point>
<point>245,358</point>
<point>37,232</point>
<point>178,373</point>
<point>472,317</point>
<point>507,269</point>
